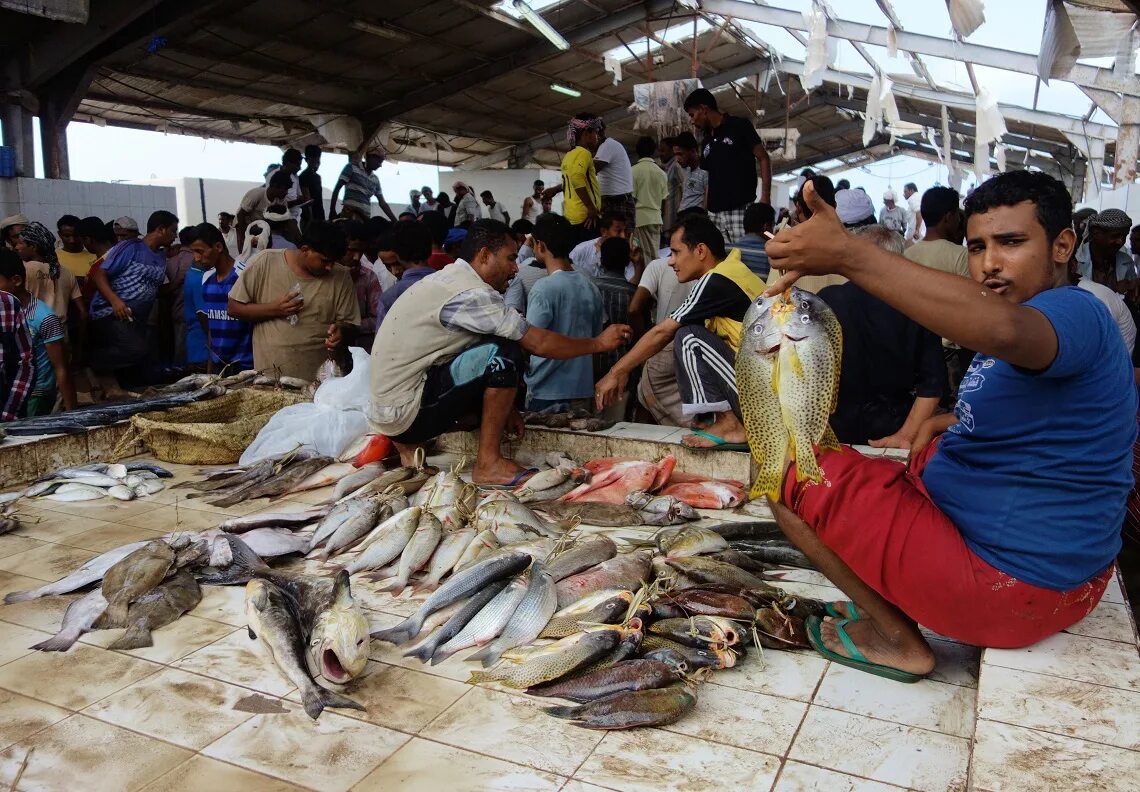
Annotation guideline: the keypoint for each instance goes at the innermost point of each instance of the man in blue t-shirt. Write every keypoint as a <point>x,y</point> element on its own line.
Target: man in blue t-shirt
<point>229,341</point>
<point>567,302</point>
<point>1004,530</point>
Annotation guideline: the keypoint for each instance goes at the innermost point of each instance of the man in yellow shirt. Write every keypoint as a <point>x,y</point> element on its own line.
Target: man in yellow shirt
<point>72,255</point>
<point>582,198</point>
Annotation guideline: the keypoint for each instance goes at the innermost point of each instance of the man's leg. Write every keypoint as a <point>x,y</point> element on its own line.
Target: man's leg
<point>707,378</point>
<point>658,391</point>
<point>884,634</point>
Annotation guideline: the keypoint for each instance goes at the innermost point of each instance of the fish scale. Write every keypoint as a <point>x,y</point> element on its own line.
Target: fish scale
<point>756,379</point>
<point>488,623</point>
<point>555,661</point>
<point>532,614</point>
<point>419,549</point>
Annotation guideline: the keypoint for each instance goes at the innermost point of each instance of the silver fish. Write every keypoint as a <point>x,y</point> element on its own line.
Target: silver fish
<point>79,617</point>
<point>491,515</point>
<point>418,551</point>
<point>273,519</point>
<point>528,620</point>
<point>272,542</point>
<point>484,540</point>
<point>332,521</point>
<point>354,481</point>
<point>74,493</point>
<point>447,554</point>
<point>386,541</point>
<point>352,529</point>
<point>121,492</point>
<point>488,623</point>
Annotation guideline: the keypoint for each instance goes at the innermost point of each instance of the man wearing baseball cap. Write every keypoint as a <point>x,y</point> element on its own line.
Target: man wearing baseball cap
<point>892,215</point>
<point>126,228</point>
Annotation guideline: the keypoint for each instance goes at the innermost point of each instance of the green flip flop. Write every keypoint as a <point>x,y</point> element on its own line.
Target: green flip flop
<point>857,659</point>
<point>718,443</point>
<point>834,612</point>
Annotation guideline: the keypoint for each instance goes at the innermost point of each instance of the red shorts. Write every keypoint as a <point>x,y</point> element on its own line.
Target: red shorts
<point>877,516</point>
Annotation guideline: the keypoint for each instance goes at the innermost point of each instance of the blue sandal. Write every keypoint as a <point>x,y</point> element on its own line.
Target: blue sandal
<point>857,659</point>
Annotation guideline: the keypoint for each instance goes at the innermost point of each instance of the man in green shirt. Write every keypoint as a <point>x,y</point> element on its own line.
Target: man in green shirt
<point>650,188</point>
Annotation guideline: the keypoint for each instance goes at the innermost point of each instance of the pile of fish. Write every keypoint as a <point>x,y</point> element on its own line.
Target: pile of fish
<point>76,421</point>
<point>620,480</point>
<point>622,634</point>
<point>94,481</point>
<point>787,372</point>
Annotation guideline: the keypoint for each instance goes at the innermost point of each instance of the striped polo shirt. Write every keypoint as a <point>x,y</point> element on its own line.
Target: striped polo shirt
<point>231,340</point>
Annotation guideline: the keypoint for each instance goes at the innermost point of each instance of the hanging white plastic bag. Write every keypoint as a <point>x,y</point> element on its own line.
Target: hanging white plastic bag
<point>816,58</point>
<point>333,420</point>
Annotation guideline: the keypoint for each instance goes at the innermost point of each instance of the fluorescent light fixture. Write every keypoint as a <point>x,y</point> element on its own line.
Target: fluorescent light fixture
<point>562,89</point>
<point>541,25</point>
<point>379,30</point>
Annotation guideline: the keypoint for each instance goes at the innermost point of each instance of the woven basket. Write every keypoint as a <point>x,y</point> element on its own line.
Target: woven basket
<point>213,432</point>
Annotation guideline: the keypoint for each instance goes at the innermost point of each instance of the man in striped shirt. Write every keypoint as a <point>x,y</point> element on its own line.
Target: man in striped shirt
<point>17,369</point>
<point>229,341</point>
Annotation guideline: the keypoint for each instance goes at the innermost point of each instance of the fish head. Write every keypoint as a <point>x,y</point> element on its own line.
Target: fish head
<point>762,326</point>
<point>806,316</point>
<point>338,644</point>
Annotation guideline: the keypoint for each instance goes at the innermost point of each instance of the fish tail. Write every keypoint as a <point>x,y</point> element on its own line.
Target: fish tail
<point>401,633</point>
<point>330,698</point>
<point>488,655</point>
<point>829,440</point>
<point>423,652</point>
<point>313,702</point>
<point>19,596</point>
<point>60,642</point>
<point>478,677</point>
<point>767,484</point>
<point>137,636</point>
<point>807,468</point>
<point>116,614</point>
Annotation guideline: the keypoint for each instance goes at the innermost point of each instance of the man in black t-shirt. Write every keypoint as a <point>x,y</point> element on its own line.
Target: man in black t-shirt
<point>311,182</point>
<point>728,149</point>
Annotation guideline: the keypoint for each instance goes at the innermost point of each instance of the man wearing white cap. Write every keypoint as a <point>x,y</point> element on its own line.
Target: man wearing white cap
<point>854,208</point>
<point>126,228</point>
<point>892,215</point>
<point>10,228</point>
<point>467,208</point>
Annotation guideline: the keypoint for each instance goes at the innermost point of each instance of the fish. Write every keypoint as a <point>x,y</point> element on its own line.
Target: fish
<point>483,541</point>
<point>661,509</point>
<point>354,481</point>
<point>707,570</point>
<point>581,555</point>
<point>276,483</point>
<point>656,647</point>
<point>604,515</point>
<point>698,631</point>
<point>79,618</point>
<point>694,602</point>
<point>811,353</point>
<point>776,629</point>
<point>121,492</point>
<point>757,378</point>
<point>758,530</point>
<point>706,494</point>
<point>452,627</point>
<point>150,467</point>
<point>232,479</point>
<point>133,576</point>
<point>554,493</point>
<point>544,479</point>
<point>631,709</point>
<point>386,541</point>
<point>239,525</point>
<point>694,541</point>
<point>504,512</point>
<point>451,547</point>
<point>417,552</point>
<point>273,542</point>
<point>162,605</point>
<point>376,449</point>
<point>777,551</point>
<point>270,620</point>
<point>556,661</point>
<point>358,524</point>
<point>608,606</point>
<point>626,676</point>
<point>614,484</point>
<point>467,582</point>
<point>446,489</point>
<point>450,517</point>
<point>624,571</point>
<point>149,487</point>
<point>87,574</point>
<point>75,493</point>
<point>486,625</point>
<point>324,477</point>
<point>532,614</point>
<point>338,642</point>
<point>12,497</point>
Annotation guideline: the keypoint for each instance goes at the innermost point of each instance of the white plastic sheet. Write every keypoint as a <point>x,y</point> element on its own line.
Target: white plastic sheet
<point>989,128</point>
<point>815,62</point>
<point>333,420</point>
<point>966,15</point>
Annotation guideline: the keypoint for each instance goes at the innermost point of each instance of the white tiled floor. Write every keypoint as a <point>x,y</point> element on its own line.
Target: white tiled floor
<point>181,715</point>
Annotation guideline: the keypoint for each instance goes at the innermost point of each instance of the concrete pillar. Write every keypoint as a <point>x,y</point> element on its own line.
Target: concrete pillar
<point>53,143</point>
<point>17,123</point>
<point>58,99</point>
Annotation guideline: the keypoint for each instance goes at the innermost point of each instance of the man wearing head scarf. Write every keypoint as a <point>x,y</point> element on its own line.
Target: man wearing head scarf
<point>854,208</point>
<point>467,209</point>
<point>1102,257</point>
<point>46,280</point>
<point>582,195</point>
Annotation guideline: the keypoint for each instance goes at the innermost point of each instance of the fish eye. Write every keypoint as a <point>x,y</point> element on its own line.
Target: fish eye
<point>804,305</point>
<point>360,642</point>
<point>805,319</point>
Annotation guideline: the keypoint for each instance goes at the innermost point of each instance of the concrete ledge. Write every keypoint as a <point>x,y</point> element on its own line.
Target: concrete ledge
<point>24,459</point>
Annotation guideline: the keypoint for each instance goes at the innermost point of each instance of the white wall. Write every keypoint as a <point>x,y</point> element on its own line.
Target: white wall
<point>46,200</point>
<point>509,187</point>
<point>1126,197</point>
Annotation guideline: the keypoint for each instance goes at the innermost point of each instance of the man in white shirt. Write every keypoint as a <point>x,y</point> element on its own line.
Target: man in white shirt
<point>495,210</point>
<point>229,234</point>
<point>467,208</point>
<point>914,212</point>
<point>892,215</point>
<point>532,204</point>
<point>615,178</point>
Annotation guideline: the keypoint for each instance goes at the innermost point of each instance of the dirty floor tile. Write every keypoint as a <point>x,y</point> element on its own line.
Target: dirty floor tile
<point>46,562</point>
<point>238,660</point>
<point>1063,706</point>
<point>185,709</point>
<point>1075,657</point>
<point>84,753</point>
<point>186,635</point>
<point>883,751</point>
<point>332,753</point>
<point>512,728</point>
<point>793,675</point>
<point>424,765</point>
<point>202,774</point>
<point>928,705</point>
<point>1010,759</point>
<point>73,679</point>
<point>745,720</point>
<point>648,760</point>
<point>21,717</point>
<point>109,536</point>
<point>799,777</point>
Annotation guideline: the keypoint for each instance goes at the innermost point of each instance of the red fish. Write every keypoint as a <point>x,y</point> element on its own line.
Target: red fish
<point>692,478</point>
<point>614,483</point>
<point>708,494</point>
<point>377,448</point>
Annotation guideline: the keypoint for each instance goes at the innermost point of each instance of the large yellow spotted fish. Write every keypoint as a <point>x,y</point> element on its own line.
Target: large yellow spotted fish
<point>787,374</point>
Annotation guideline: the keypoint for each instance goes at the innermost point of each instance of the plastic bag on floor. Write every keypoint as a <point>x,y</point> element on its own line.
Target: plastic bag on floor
<point>333,420</point>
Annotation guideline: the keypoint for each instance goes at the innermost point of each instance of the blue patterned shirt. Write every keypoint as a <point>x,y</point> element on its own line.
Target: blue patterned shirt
<point>134,272</point>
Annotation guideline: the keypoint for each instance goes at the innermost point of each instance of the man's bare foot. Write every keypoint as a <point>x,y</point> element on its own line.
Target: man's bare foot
<point>914,656</point>
<point>407,453</point>
<point>497,472</point>
<point>726,426</point>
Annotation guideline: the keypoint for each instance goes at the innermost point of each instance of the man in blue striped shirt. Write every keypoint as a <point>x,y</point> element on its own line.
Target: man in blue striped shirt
<point>229,341</point>
<point>758,218</point>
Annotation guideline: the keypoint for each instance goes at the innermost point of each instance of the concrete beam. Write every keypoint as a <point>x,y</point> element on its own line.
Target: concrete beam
<point>919,44</point>
<point>58,99</point>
